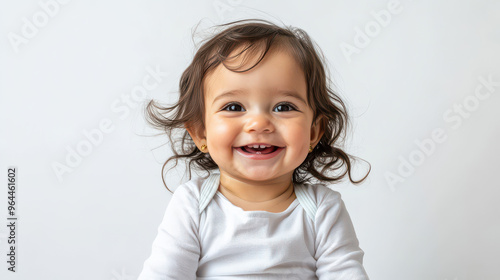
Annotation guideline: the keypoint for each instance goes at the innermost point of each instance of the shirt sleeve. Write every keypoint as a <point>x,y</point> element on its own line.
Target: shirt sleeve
<point>338,255</point>
<point>176,249</point>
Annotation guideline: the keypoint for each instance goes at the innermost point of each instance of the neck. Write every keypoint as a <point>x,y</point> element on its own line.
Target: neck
<point>255,192</point>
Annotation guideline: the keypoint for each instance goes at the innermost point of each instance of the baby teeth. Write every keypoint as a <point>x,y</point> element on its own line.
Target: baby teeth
<point>257,146</point>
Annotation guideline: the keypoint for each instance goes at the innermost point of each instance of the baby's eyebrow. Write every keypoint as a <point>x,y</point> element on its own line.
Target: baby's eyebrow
<point>290,93</point>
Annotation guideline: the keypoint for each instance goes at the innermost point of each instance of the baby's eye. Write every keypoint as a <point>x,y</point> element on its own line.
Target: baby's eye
<point>285,107</point>
<point>233,107</point>
<point>282,107</point>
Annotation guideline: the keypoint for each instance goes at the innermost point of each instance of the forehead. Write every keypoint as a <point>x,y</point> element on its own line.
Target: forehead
<point>277,71</point>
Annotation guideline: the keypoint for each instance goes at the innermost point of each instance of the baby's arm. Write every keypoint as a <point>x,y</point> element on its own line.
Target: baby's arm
<point>176,249</point>
<point>338,255</point>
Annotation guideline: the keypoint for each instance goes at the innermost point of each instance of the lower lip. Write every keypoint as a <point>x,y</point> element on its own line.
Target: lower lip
<point>259,156</point>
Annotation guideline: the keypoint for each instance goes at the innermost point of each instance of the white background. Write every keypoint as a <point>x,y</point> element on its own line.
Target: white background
<point>99,220</point>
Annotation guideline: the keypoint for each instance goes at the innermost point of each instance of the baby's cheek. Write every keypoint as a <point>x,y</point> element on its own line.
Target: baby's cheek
<point>221,135</point>
<point>213,126</point>
<point>299,133</point>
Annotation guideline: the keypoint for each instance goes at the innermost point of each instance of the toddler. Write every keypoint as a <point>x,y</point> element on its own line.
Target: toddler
<point>257,215</point>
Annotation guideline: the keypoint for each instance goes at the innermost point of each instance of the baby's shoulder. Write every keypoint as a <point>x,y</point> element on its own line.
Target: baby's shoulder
<point>318,198</point>
<point>323,204</point>
<point>321,193</point>
<point>189,191</point>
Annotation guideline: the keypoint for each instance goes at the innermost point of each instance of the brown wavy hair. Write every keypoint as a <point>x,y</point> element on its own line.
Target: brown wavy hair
<point>253,34</point>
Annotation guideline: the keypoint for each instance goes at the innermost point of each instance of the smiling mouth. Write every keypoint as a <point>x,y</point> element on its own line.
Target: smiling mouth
<point>258,151</point>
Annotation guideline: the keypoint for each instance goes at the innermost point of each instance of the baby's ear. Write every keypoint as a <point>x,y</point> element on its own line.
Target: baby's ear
<point>196,132</point>
<point>317,130</point>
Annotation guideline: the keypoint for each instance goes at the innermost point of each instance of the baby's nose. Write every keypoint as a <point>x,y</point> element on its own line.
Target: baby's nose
<point>259,123</point>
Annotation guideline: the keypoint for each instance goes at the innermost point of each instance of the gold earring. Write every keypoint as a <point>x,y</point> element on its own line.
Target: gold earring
<point>203,147</point>
<point>310,148</point>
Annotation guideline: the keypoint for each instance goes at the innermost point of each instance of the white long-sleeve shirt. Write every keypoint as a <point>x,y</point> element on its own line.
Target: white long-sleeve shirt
<point>204,236</point>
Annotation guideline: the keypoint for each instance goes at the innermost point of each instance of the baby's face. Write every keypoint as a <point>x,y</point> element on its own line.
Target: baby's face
<point>265,105</point>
